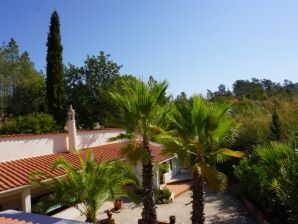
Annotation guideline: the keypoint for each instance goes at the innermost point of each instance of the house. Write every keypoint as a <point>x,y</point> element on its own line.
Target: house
<point>20,155</point>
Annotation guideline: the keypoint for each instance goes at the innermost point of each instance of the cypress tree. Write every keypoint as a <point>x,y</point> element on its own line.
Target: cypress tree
<point>55,72</point>
<point>275,127</point>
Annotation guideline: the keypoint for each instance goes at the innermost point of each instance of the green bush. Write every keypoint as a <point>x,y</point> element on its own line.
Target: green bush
<point>252,179</point>
<point>289,183</point>
<point>269,177</point>
<point>163,168</point>
<point>160,195</point>
<point>36,123</point>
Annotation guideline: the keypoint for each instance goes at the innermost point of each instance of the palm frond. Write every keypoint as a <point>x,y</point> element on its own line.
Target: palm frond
<point>90,187</point>
<point>122,136</point>
<point>232,153</point>
<point>272,154</point>
<point>134,152</point>
<point>214,178</point>
<point>174,147</point>
<point>221,158</point>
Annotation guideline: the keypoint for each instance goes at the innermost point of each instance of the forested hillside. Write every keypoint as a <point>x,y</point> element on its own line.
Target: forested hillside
<point>266,113</point>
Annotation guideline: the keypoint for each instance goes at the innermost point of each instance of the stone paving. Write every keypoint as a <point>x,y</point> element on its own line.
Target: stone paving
<point>220,208</point>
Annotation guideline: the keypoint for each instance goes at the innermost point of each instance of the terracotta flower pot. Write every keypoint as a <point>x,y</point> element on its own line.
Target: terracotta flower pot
<point>118,203</point>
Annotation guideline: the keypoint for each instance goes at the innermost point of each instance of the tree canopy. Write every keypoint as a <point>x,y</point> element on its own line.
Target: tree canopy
<point>87,89</point>
<point>22,87</point>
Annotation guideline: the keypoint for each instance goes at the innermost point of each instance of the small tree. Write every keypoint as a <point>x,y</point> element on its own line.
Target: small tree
<point>142,111</point>
<point>55,72</point>
<point>198,133</point>
<point>87,189</point>
<point>275,127</point>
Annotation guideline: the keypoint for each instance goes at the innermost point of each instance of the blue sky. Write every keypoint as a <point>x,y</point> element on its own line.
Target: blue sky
<point>195,45</point>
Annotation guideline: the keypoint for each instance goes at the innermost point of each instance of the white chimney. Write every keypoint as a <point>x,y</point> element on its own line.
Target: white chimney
<point>72,131</point>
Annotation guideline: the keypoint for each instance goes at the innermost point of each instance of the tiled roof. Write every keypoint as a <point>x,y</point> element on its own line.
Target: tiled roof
<point>15,173</point>
<point>12,221</point>
<point>18,217</point>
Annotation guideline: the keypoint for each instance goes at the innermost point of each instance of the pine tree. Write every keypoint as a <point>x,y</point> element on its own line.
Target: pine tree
<point>275,127</point>
<point>55,73</point>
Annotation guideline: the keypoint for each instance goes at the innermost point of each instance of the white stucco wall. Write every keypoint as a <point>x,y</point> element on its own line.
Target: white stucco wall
<point>24,146</point>
<point>156,183</point>
<point>171,172</point>
<point>138,171</point>
<point>94,138</point>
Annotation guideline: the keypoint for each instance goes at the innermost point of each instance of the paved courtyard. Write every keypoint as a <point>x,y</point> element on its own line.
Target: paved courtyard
<point>220,208</point>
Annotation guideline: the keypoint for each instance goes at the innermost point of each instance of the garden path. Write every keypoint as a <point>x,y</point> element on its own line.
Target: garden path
<point>220,208</point>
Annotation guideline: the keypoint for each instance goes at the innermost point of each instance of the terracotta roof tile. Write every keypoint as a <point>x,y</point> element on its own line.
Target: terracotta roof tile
<point>5,220</point>
<point>18,217</point>
<point>15,173</point>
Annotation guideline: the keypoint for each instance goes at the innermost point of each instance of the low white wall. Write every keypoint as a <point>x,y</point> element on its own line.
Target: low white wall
<point>168,176</point>
<point>137,168</point>
<point>95,138</point>
<point>24,146</point>
<point>171,172</point>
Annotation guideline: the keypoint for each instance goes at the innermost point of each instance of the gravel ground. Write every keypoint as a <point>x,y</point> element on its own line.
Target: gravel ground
<point>220,208</point>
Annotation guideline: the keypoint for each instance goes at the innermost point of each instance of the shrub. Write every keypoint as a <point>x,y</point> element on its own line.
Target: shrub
<point>160,195</point>
<point>163,168</point>
<point>289,182</point>
<point>33,123</point>
<point>253,179</point>
<point>269,177</point>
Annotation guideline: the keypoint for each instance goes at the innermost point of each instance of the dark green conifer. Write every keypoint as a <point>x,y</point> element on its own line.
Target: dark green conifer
<point>275,127</point>
<point>55,72</point>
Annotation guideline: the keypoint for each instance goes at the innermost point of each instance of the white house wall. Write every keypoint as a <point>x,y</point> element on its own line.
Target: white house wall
<point>172,172</point>
<point>25,146</point>
<point>138,171</point>
<point>95,138</point>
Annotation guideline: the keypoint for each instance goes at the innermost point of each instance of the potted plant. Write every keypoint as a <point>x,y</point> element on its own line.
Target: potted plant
<point>118,203</point>
<point>163,168</point>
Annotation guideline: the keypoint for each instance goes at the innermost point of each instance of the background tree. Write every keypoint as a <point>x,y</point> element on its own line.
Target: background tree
<point>88,89</point>
<point>55,74</point>
<point>275,127</point>
<point>143,109</point>
<point>221,92</point>
<point>181,99</point>
<point>32,123</point>
<point>29,90</point>
<point>22,88</point>
<point>9,57</point>
<point>250,89</point>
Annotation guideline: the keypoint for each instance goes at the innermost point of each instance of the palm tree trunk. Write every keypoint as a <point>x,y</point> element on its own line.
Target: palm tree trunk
<point>149,210</point>
<point>198,198</point>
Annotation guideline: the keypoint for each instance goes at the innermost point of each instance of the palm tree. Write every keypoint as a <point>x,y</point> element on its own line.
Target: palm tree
<point>143,108</point>
<point>198,132</point>
<point>85,189</point>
